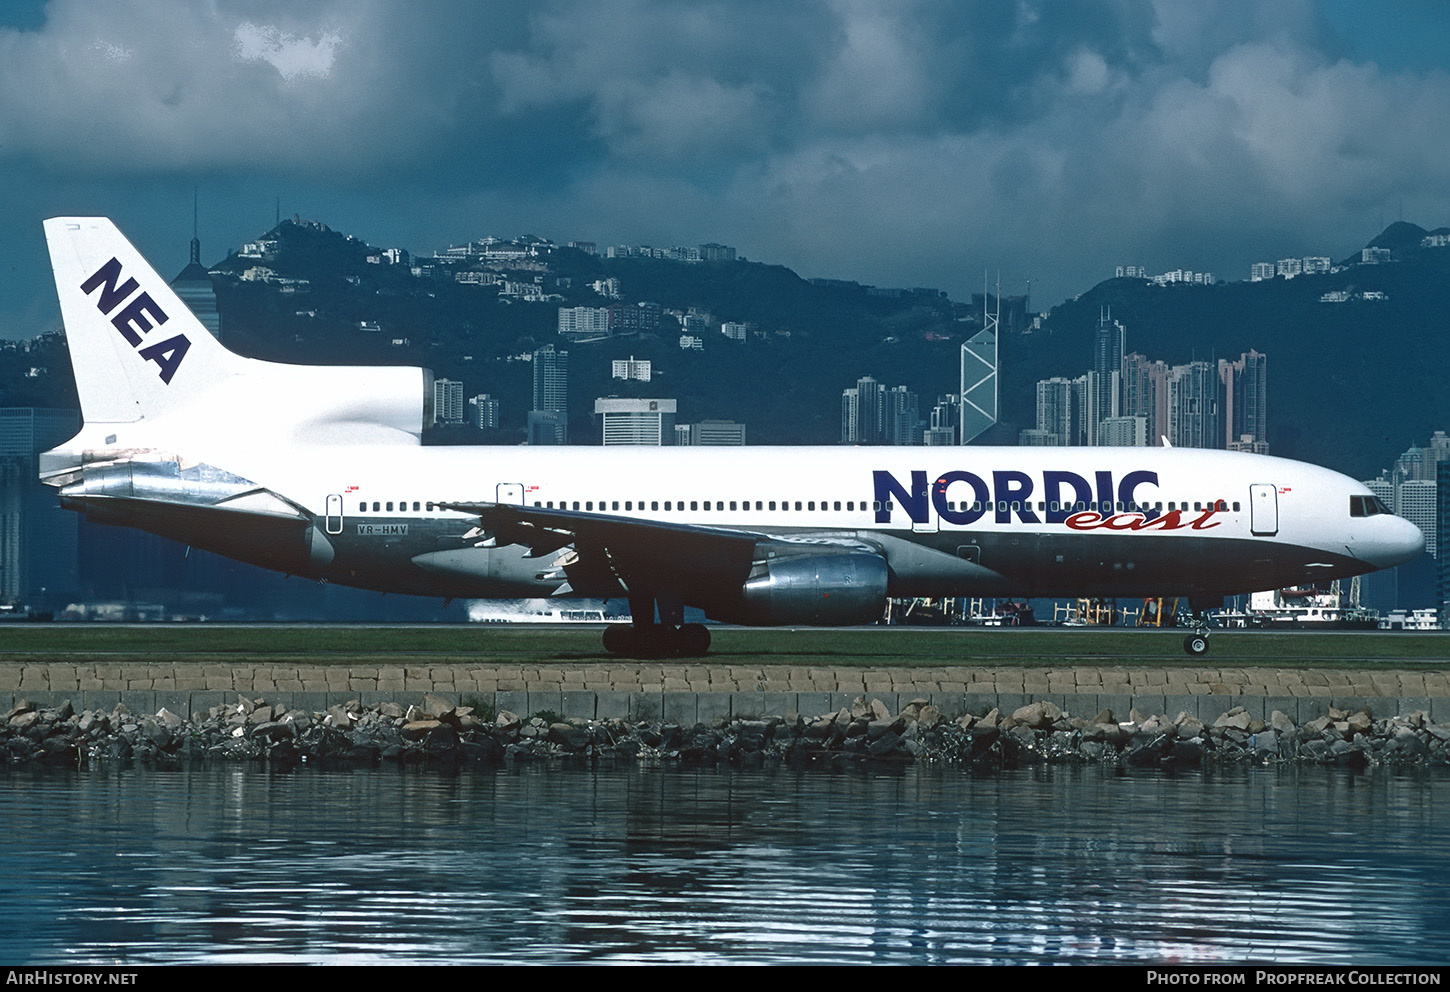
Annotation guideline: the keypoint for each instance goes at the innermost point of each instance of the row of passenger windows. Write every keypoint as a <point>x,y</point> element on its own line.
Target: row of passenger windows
<point>810,506</point>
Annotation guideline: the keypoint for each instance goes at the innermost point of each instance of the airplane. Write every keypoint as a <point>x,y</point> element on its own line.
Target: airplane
<point>319,471</point>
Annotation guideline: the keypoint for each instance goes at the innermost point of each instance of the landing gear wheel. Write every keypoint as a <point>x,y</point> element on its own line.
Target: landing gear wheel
<point>1196,643</point>
<point>657,640</point>
<point>693,640</point>
<point>618,638</point>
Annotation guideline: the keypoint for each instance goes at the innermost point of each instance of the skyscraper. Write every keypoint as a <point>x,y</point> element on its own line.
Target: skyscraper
<point>548,421</point>
<point>551,379</point>
<point>979,382</point>
<point>38,539</point>
<point>1055,412</point>
<point>1145,394</point>
<point>1193,420</point>
<point>1245,402</point>
<point>447,401</point>
<point>193,284</point>
<point>1106,375</point>
<point>901,417</point>
<point>863,412</point>
<point>486,409</point>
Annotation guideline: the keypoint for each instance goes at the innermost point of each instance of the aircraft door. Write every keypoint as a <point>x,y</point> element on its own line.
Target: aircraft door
<point>1263,510</point>
<point>511,493</point>
<point>334,514</point>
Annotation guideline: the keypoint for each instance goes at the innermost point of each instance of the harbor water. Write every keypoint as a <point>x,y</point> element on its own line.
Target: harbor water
<point>548,864</point>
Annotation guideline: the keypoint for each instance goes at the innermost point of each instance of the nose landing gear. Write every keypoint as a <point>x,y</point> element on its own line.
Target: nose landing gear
<point>1197,642</point>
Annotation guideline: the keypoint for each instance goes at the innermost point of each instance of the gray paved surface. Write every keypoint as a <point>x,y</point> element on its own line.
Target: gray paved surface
<point>690,692</point>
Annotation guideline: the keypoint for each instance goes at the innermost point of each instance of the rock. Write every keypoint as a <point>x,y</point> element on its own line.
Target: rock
<point>1039,715</point>
<point>1188,726</point>
<point>435,707</point>
<point>417,729</point>
<point>1238,718</point>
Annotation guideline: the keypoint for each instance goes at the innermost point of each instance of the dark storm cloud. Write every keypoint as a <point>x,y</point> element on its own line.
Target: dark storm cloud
<point>893,142</point>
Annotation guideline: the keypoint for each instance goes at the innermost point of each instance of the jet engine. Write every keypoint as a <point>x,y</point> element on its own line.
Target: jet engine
<point>819,588</point>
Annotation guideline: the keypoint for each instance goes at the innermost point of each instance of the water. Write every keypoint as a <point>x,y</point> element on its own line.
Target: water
<point>922,865</point>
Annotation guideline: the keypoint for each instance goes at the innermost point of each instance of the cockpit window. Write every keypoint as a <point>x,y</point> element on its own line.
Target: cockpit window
<point>1366,506</point>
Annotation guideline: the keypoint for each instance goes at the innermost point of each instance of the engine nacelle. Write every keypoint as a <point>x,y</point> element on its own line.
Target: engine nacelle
<point>828,589</point>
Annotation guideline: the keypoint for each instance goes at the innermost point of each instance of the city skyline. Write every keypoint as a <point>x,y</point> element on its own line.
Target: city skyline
<point>888,144</point>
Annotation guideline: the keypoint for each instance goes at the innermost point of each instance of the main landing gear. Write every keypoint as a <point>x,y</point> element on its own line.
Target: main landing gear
<point>657,640</point>
<point>670,637</point>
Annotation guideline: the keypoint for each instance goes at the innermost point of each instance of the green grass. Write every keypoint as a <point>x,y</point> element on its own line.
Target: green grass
<point>868,648</point>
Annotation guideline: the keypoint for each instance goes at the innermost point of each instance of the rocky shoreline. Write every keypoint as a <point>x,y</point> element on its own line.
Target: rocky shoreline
<point>434,732</point>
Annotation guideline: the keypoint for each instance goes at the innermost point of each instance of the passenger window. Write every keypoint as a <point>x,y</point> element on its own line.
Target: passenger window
<point>694,504</point>
<point>732,504</point>
<point>390,506</point>
<point>797,505</point>
<point>362,507</point>
<point>376,505</point>
<point>772,504</point>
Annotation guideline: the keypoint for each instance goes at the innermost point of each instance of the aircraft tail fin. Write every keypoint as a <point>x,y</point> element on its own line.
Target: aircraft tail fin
<point>136,348</point>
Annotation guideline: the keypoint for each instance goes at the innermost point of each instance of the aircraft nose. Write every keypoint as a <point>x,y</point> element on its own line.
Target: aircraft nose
<point>1395,542</point>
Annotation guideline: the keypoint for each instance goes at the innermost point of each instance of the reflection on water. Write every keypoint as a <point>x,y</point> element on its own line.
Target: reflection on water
<point>550,864</point>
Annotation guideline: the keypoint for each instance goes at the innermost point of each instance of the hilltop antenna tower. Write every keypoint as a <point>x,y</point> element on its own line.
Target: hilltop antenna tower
<point>979,369</point>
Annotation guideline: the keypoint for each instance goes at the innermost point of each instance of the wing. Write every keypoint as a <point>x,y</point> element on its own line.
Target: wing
<point>712,567</point>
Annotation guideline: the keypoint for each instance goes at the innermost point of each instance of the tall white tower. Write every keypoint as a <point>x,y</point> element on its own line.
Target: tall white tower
<point>979,371</point>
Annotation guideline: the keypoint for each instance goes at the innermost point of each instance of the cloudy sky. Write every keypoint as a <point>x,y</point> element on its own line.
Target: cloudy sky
<point>893,142</point>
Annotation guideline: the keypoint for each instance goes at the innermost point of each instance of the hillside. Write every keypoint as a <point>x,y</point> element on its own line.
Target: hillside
<point>1352,383</point>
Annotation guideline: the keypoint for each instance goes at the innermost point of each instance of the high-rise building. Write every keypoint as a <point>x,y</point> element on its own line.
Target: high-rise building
<point>941,429</point>
<point>548,421</point>
<point>547,427</point>
<point>1442,532</point>
<point>1055,414</point>
<point>979,381</point>
<point>1106,375</point>
<point>863,412</point>
<point>1123,432</point>
<point>447,401</point>
<point>1416,501</point>
<point>1145,394</point>
<point>635,421</point>
<point>485,412</point>
<point>38,539</point>
<point>1193,420</point>
<point>1244,411</point>
<point>193,284</point>
<point>551,379</point>
<point>901,418</point>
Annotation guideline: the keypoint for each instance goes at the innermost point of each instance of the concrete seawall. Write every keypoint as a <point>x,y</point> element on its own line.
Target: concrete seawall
<point>691,693</point>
